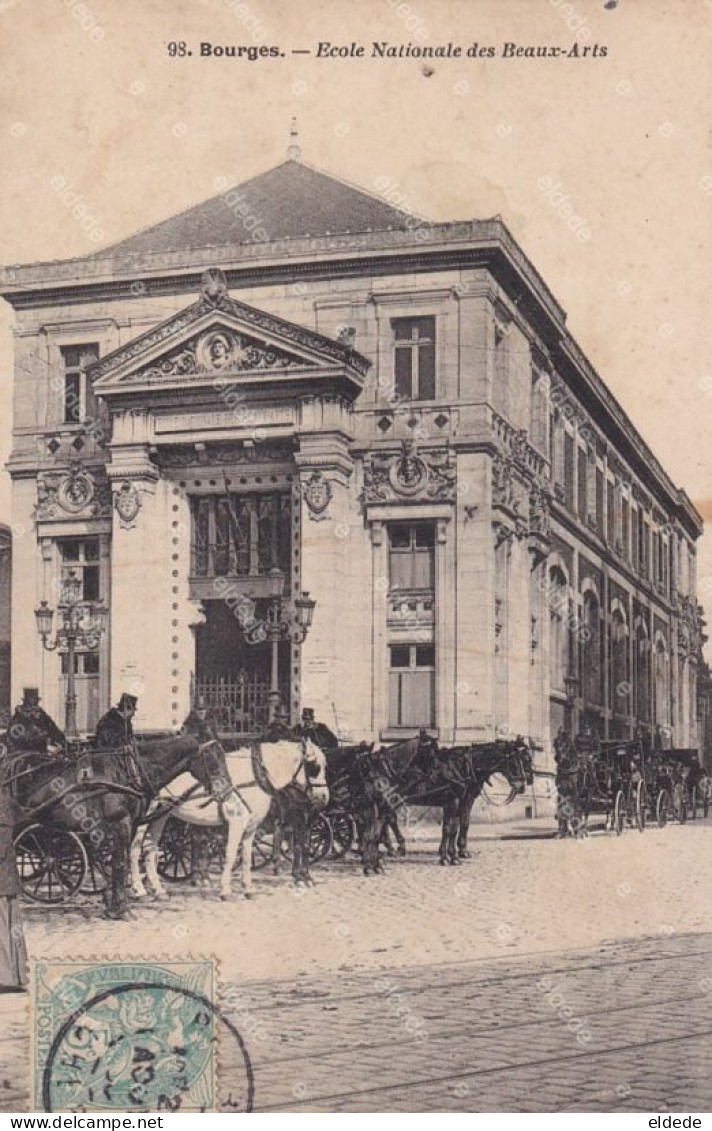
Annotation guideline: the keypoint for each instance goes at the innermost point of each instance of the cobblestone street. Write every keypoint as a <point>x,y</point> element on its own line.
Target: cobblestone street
<point>424,989</point>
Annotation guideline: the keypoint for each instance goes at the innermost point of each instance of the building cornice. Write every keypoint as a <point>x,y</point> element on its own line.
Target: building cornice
<point>455,245</point>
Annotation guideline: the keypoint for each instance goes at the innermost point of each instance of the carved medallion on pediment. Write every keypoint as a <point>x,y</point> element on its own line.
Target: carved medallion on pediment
<point>218,351</point>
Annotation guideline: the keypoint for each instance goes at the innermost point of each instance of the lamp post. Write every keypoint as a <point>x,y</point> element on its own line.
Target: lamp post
<point>81,625</point>
<point>281,622</point>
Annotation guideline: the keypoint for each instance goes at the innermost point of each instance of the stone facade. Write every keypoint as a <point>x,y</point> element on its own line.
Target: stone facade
<point>404,428</point>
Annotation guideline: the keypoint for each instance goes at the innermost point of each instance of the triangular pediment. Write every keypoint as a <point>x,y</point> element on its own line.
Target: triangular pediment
<point>213,341</point>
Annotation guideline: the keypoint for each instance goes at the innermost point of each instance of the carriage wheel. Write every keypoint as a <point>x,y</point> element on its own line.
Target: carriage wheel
<point>661,808</point>
<point>51,863</point>
<point>693,803</point>
<point>678,803</point>
<point>175,855</point>
<point>98,870</point>
<point>263,847</point>
<point>640,805</point>
<point>343,831</point>
<point>619,813</point>
<point>321,839</point>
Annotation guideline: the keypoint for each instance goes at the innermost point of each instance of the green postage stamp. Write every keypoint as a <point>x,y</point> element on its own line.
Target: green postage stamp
<point>124,1036</point>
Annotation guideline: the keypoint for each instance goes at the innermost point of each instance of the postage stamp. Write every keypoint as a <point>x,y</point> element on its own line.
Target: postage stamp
<point>126,1036</point>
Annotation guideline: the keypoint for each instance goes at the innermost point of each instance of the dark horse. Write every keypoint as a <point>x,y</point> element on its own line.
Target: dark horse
<point>103,795</point>
<point>451,779</point>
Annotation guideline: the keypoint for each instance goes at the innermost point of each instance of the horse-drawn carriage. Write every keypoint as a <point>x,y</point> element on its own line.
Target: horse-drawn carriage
<point>628,782</point>
<point>75,809</point>
<point>680,784</point>
<point>609,778</point>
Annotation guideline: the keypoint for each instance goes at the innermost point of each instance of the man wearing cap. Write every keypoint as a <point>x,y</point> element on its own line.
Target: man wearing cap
<point>31,728</point>
<point>114,729</point>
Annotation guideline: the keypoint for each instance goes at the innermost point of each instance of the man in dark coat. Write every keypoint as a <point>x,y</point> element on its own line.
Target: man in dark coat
<point>278,729</point>
<point>115,729</point>
<point>31,728</point>
<point>13,956</point>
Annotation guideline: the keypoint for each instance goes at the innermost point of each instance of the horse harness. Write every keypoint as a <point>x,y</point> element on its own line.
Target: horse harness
<point>261,778</point>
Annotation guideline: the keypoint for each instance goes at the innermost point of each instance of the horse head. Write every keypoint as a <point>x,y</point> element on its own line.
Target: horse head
<point>314,762</point>
<point>518,767</point>
<point>207,759</point>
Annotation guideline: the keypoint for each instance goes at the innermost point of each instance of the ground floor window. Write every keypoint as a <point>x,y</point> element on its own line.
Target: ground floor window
<point>412,685</point>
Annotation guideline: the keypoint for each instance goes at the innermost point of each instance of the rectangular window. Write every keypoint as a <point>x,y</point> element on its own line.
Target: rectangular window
<point>412,685</point>
<point>635,549</point>
<point>241,535</point>
<point>569,470</point>
<point>79,404</point>
<point>411,557</point>
<point>582,484</point>
<point>80,556</point>
<point>625,519</point>
<point>600,500</point>
<point>610,513</point>
<point>414,358</point>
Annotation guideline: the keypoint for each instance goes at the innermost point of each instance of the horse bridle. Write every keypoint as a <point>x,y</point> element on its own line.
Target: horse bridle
<point>510,752</point>
<point>307,787</point>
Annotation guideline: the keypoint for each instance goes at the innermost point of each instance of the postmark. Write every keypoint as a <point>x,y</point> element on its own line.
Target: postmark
<point>133,1036</point>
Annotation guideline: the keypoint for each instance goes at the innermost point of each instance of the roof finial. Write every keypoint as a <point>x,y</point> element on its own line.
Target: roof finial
<point>294,152</point>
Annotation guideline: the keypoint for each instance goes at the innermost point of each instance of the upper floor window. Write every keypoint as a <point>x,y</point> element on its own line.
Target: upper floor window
<point>600,500</point>
<point>610,513</point>
<point>583,509</point>
<point>78,399</point>
<point>80,557</point>
<point>569,470</point>
<point>625,522</point>
<point>414,358</point>
<point>411,555</point>
<point>241,535</point>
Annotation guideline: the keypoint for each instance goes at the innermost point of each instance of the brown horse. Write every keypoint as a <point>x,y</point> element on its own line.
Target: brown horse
<point>103,795</point>
<point>450,779</point>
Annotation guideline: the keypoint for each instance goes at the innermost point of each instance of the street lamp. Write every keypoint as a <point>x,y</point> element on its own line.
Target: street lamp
<point>82,625</point>
<point>281,622</point>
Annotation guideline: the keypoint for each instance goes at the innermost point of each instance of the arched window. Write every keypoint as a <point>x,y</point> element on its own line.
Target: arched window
<point>642,673</point>
<point>662,684</point>
<point>620,675</point>
<point>558,629</point>
<point>591,667</point>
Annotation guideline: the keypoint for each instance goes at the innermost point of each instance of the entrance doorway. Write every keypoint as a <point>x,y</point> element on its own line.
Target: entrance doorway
<point>233,676</point>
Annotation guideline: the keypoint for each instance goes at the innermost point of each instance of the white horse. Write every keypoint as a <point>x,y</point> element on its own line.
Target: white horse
<point>300,764</point>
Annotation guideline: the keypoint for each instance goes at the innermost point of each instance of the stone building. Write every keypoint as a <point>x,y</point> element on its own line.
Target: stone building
<point>298,387</point>
<point>5,618</point>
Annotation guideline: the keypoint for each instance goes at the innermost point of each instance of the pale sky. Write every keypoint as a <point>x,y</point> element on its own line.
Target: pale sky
<point>142,136</point>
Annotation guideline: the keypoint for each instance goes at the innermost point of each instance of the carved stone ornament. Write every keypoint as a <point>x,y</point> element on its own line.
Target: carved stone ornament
<point>218,350</point>
<point>214,285</point>
<point>540,510</point>
<point>317,493</point>
<point>72,493</point>
<point>127,503</point>
<point>502,482</point>
<point>429,476</point>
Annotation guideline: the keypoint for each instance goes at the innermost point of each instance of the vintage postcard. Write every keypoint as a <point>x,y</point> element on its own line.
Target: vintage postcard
<point>355,712</point>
